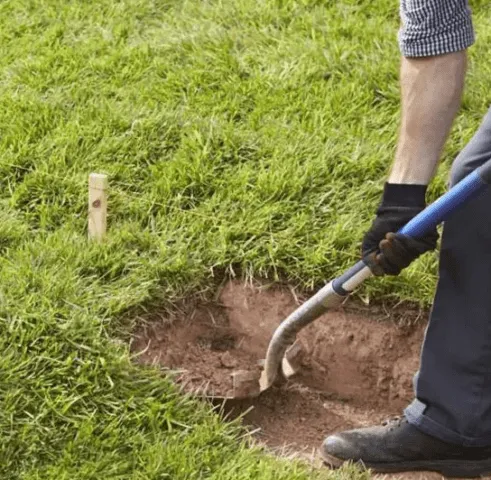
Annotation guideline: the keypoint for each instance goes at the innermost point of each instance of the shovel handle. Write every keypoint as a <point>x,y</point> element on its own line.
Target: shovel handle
<point>442,208</point>
<point>334,292</point>
<point>429,218</point>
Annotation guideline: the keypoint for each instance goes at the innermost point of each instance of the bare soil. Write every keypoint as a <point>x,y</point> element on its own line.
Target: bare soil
<point>357,372</point>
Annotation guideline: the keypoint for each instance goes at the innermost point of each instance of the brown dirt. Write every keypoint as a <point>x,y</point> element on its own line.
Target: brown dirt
<point>357,372</point>
<point>202,349</point>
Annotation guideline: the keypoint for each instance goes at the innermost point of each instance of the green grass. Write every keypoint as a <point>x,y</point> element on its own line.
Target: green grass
<point>241,138</point>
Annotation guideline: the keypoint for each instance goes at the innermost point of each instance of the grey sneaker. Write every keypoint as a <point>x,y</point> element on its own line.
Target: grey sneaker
<point>397,446</point>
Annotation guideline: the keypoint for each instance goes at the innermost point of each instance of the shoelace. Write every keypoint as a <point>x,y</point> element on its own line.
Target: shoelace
<point>394,422</point>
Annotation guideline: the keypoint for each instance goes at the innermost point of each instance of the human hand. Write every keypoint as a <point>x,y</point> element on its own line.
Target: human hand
<point>385,251</point>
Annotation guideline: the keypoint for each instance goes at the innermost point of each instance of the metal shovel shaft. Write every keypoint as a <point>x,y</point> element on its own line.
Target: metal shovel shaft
<point>313,308</point>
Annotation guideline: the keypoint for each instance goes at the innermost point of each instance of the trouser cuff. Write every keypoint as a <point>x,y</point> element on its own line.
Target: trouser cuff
<point>415,414</point>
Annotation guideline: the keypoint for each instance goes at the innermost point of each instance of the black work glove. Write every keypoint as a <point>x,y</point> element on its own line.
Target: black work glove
<point>385,251</point>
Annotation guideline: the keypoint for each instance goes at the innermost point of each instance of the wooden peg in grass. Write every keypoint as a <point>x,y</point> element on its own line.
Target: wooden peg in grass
<point>97,206</point>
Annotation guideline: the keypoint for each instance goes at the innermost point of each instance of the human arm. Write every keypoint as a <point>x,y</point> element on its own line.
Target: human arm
<point>433,40</point>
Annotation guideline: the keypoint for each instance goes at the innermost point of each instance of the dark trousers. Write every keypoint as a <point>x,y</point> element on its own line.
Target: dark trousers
<point>453,385</point>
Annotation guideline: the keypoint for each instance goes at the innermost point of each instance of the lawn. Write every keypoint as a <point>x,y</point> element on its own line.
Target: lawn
<point>245,138</point>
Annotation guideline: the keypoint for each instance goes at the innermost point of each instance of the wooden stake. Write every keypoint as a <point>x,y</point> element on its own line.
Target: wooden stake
<point>97,206</point>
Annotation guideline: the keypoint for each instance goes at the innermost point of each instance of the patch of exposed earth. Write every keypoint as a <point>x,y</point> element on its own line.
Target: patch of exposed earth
<point>357,371</point>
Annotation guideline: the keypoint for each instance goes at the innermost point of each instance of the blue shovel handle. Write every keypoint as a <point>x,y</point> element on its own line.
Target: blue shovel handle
<point>429,218</point>
<point>333,293</point>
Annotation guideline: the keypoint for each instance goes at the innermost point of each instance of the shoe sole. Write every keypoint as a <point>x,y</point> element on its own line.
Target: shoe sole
<point>447,468</point>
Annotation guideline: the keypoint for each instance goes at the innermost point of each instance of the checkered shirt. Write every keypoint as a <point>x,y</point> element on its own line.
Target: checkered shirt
<point>434,27</point>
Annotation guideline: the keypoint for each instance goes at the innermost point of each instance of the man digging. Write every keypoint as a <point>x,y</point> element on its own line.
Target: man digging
<point>447,428</point>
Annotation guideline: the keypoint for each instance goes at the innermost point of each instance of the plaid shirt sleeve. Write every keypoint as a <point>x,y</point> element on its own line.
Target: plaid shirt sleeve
<point>434,27</point>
